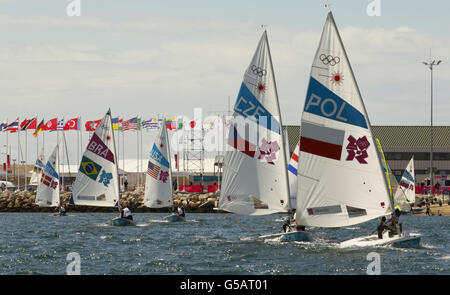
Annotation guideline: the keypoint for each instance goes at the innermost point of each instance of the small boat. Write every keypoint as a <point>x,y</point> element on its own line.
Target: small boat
<point>120,221</point>
<point>255,180</point>
<point>97,181</point>
<point>174,218</point>
<point>48,189</point>
<point>341,179</point>
<point>158,180</point>
<point>399,241</point>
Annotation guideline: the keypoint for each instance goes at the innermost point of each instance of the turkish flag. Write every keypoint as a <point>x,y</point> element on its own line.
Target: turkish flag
<point>92,125</point>
<point>192,124</point>
<point>51,124</point>
<point>72,124</point>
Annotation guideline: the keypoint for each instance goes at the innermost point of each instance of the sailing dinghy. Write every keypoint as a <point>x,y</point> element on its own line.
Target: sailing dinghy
<point>97,181</point>
<point>48,190</point>
<point>37,169</point>
<point>255,178</point>
<point>341,181</point>
<point>158,180</point>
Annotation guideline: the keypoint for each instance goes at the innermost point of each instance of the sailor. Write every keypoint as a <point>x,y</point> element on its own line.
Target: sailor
<point>62,209</point>
<point>381,227</point>
<point>287,225</point>
<point>399,219</point>
<point>181,211</point>
<point>126,213</point>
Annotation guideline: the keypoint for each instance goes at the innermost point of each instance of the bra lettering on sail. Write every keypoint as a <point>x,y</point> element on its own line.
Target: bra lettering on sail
<point>97,147</point>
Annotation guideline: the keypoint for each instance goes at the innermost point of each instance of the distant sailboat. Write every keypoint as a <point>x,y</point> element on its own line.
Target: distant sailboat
<point>158,180</point>
<point>406,193</point>
<point>341,181</point>
<point>255,176</point>
<point>37,169</point>
<point>97,181</point>
<point>47,194</point>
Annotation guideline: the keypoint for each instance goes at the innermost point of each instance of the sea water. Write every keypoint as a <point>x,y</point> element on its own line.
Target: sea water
<point>226,244</point>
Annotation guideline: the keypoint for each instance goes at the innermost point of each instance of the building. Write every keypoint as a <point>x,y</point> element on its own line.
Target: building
<point>400,143</point>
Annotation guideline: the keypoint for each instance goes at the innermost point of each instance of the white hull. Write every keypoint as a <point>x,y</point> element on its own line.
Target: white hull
<point>402,241</point>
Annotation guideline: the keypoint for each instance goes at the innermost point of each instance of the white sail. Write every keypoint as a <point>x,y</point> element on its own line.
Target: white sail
<point>47,194</point>
<point>255,175</point>
<point>407,187</point>
<point>341,180</point>
<point>400,199</point>
<point>292,176</point>
<point>37,169</point>
<point>158,181</point>
<point>97,182</point>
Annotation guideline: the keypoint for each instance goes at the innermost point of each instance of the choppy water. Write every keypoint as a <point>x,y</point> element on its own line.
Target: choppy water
<point>38,243</point>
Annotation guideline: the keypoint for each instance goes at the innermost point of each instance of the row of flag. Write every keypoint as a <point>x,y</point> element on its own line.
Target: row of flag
<point>135,123</point>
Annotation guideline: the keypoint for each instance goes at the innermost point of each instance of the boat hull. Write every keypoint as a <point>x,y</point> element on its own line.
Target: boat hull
<point>297,236</point>
<point>174,218</point>
<point>119,221</point>
<point>403,241</point>
<point>293,236</point>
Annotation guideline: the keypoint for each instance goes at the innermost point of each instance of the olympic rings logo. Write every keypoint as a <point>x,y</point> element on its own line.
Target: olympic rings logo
<point>258,71</point>
<point>329,60</point>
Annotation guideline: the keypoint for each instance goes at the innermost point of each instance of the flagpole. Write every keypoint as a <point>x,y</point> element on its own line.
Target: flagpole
<point>137,153</point>
<point>123,158</point>
<point>26,159</point>
<point>140,160</point>
<point>18,159</point>
<point>7,153</point>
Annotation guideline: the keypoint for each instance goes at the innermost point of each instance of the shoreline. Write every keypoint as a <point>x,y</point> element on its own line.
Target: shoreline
<point>23,202</point>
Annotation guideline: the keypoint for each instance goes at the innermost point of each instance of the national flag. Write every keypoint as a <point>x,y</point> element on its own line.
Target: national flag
<point>180,123</point>
<point>45,179</point>
<point>90,168</point>
<point>192,124</point>
<point>39,128</point>
<point>176,161</point>
<point>293,163</point>
<point>38,166</point>
<point>117,123</point>
<point>171,124</point>
<point>60,126</point>
<point>24,124</point>
<point>13,127</point>
<point>153,170</point>
<point>241,144</point>
<point>4,166</point>
<point>51,124</point>
<point>28,124</point>
<point>3,125</point>
<point>92,125</point>
<point>72,124</point>
<point>131,124</point>
<point>151,124</point>
<point>321,141</point>
<point>8,161</point>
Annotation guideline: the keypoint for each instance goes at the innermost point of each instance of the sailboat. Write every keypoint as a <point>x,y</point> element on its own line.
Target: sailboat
<point>255,178</point>
<point>158,180</point>
<point>97,181</point>
<point>405,195</point>
<point>341,181</point>
<point>36,176</point>
<point>48,190</point>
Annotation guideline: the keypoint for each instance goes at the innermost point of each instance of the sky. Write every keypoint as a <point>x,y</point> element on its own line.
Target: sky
<point>148,58</point>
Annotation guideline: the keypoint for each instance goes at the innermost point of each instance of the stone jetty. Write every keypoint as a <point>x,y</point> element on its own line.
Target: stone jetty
<point>193,202</point>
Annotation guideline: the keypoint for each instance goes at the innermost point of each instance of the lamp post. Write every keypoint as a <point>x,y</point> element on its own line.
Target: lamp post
<point>431,65</point>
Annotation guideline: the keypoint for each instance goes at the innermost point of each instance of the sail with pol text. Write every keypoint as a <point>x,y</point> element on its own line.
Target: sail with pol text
<point>255,175</point>
<point>97,182</point>
<point>340,177</point>
<point>158,180</point>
